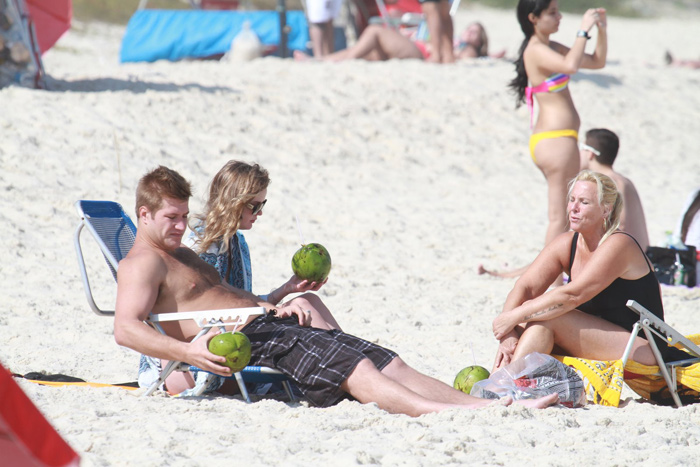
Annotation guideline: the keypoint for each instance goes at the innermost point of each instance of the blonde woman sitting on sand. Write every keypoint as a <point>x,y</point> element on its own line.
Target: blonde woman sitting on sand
<point>379,43</point>
<point>237,196</point>
<point>587,317</point>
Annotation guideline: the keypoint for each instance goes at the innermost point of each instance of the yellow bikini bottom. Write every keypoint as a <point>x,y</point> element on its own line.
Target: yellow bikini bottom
<point>537,137</point>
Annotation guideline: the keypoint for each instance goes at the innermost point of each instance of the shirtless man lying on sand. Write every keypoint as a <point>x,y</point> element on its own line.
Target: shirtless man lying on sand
<point>159,275</point>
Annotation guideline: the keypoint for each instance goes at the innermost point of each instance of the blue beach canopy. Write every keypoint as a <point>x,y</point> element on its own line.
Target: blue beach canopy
<point>176,34</point>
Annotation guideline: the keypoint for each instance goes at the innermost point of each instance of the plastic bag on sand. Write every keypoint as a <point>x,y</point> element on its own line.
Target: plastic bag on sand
<point>246,46</point>
<point>534,376</point>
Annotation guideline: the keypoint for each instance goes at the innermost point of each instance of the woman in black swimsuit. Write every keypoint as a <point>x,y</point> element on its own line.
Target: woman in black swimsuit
<point>587,317</point>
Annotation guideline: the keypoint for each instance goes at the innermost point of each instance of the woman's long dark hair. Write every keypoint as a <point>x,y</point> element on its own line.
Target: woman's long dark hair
<point>525,7</point>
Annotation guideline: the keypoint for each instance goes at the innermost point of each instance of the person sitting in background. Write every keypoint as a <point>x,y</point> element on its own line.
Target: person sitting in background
<point>694,64</point>
<point>376,43</point>
<point>689,223</point>
<point>587,317</point>
<point>474,43</point>
<point>598,154</point>
<point>379,43</point>
<point>688,228</point>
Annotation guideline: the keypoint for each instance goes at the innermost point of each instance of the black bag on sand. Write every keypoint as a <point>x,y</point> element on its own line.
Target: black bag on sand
<point>673,267</point>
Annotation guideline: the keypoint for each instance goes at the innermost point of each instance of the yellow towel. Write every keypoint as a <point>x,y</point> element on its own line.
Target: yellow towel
<point>604,379</point>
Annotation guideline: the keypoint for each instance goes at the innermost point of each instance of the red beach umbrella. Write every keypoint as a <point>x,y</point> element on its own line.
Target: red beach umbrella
<point>51,19</point>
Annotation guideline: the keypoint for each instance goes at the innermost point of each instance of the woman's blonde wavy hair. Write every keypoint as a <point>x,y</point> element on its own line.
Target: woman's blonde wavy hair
<point>235,185</point>
<point>608,195</point>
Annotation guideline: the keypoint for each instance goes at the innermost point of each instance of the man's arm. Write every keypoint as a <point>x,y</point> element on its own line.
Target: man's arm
<point>616,257</point>
<point>533,283</point>
<point>139,279</point>
<point>282,311</point>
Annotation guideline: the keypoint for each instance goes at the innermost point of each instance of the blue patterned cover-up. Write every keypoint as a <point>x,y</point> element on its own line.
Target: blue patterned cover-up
<point>233,265</point>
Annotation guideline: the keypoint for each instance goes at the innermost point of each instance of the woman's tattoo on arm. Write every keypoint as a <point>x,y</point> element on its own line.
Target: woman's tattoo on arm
<point>542,312</point>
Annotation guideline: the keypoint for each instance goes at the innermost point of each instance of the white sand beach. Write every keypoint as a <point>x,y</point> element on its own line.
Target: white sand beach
<point>411,174</point>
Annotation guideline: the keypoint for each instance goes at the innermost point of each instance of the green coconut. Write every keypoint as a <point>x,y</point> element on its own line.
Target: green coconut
<point>235,346</point>
<point>312,262</point>
<point>466,378</point>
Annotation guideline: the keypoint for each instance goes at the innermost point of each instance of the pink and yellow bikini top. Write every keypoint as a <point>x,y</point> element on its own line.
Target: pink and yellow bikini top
<point>555,83</point>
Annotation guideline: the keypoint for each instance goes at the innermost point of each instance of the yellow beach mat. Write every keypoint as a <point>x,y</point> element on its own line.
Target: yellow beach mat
<point>604,379</point>
<point>63,380</point>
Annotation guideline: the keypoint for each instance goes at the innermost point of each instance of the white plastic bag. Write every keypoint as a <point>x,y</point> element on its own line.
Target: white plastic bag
<point>536,375</point>
<point>246,46</point>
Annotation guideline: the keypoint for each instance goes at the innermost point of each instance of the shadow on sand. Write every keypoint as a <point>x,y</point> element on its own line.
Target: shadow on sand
<point>136,86</point>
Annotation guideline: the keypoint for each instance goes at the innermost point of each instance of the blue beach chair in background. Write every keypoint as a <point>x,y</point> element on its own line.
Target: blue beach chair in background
<point>114,233</point>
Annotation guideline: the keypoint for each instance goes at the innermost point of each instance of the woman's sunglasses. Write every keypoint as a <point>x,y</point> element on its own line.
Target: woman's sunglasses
<point>256,208</point>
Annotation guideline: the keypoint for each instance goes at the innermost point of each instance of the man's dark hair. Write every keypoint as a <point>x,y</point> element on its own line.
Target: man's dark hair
<point>604,141</point>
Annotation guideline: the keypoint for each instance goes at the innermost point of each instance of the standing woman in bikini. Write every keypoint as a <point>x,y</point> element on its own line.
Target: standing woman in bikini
<point>543,69</point>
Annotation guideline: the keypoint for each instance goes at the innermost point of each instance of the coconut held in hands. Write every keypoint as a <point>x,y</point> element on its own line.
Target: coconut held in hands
<point>312,262</point>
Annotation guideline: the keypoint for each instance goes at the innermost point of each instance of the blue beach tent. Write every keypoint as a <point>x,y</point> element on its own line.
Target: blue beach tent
<point>176,34</point>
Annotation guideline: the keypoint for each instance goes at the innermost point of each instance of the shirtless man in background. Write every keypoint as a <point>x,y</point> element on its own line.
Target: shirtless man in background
<point>598,154</point>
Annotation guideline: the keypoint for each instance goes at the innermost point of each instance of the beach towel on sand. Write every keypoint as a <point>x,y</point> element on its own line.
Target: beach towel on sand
<point>65,380</point>
<point>604,380</point>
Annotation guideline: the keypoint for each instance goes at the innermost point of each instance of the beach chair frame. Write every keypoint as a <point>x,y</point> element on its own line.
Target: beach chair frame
<point>652,325</point>
<point>114,232</point>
